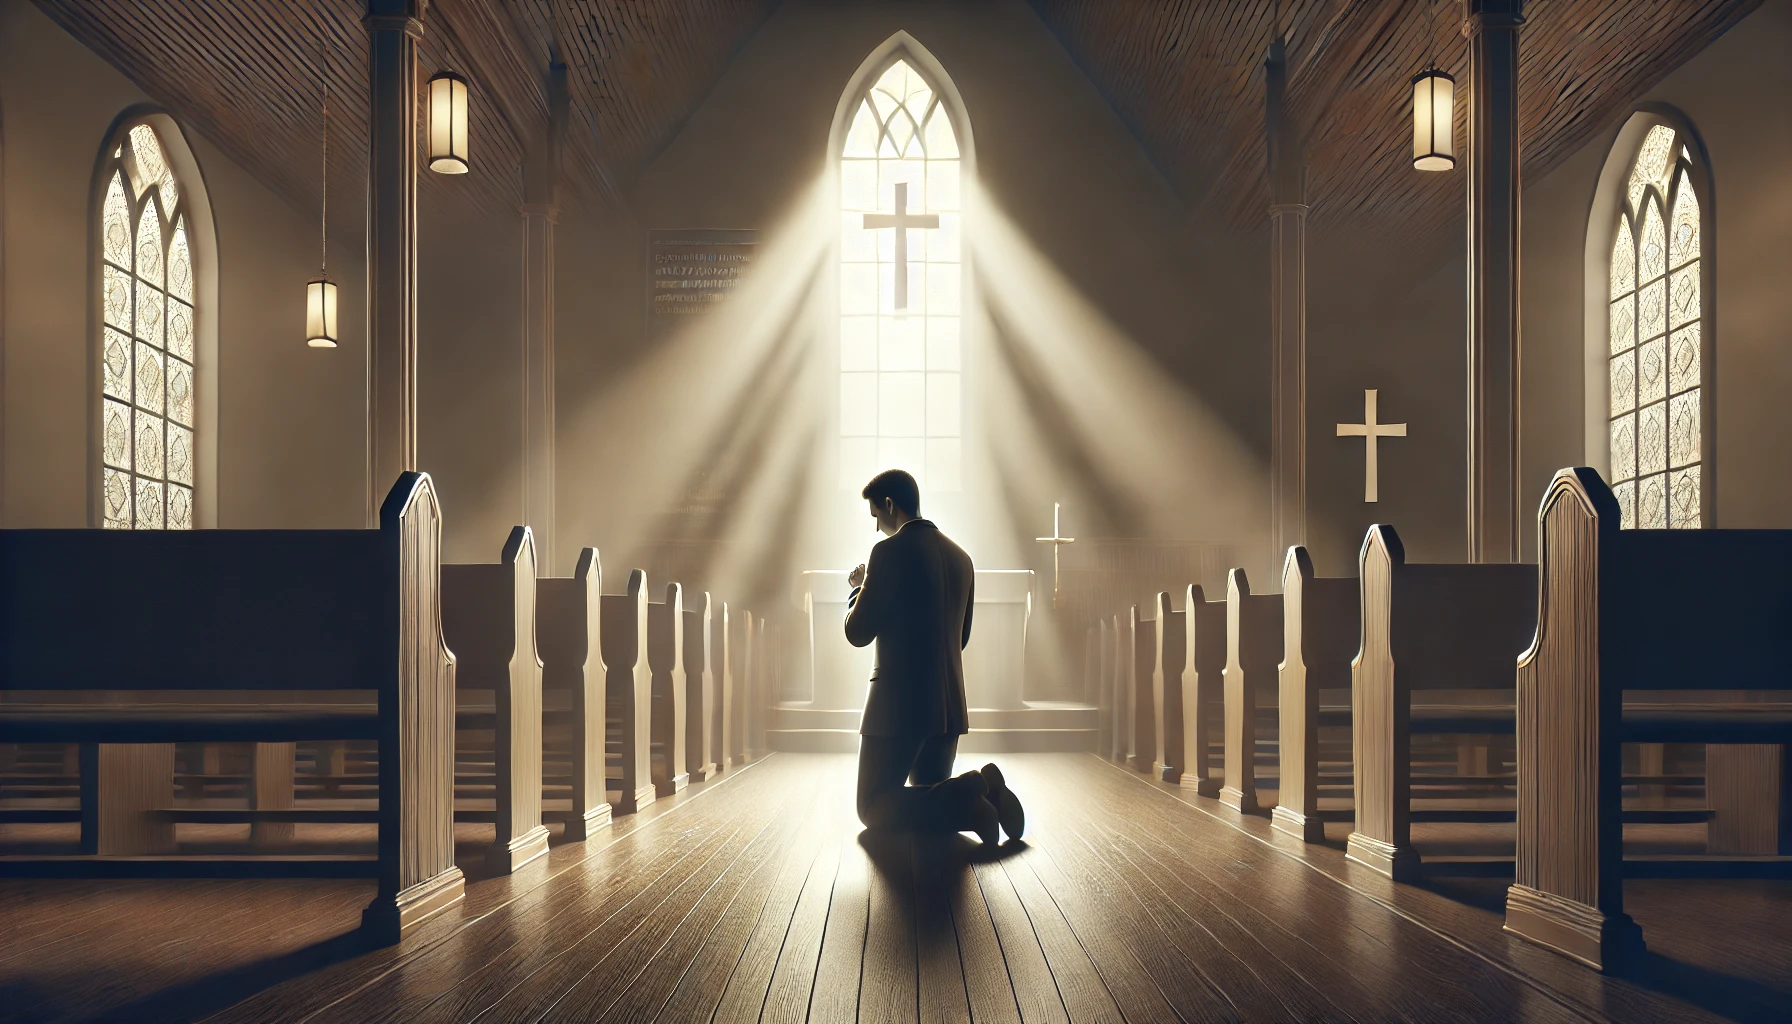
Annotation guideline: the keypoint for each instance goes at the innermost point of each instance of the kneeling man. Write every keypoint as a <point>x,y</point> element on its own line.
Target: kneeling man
<point>914,599</point>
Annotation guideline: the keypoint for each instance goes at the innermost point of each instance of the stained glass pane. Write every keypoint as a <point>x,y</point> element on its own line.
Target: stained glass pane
<point>149,445</point>
<point>858,461</point>
<point>149,246</point>
<point>180,264</point>
<point>1652,439</point>
<point>115,434</point>
<point>1652,502</point>
<point>150,389</point>
<point>1623,383</point>
<point>858,405</point>
<point>1683,359</point>
<point>1683,295</point>
<point>180,391</point>
<point>943,242</point>
<point>149,315</point>
<point>117,361</point>
<point>1652,255</point>
<point>858,343</point>
<point>1653,161</point>
<point>858,186</point>
<point>942,405</point>
<point>1623,259</point>
<point>116,496</point>
<point>901,399</point>
<point>858,288</point>
<point>1652,372</point>
<point>180,508</point>
<point>1623,323</point>
<point>917,288</point>
<point>1684,430</point>
<point>942,287</point>
<point>116,229</point>
<point>117,298</point>
<point>149,505</point>
<point>1626,495</point>
<point>180,329</point>
<point>1683,243</point>
<point>1683,499</point>
<point>908,453</point>
<point>180,455</point>
<point>943,458</point>
<point>942,343</point>
<point>1624,447</point>
<point>942,141</point>
<point>858,244</point>
<point>861,138</point>
<point>1652,310</point>
<point>151,167</point>
<point>901,343</point>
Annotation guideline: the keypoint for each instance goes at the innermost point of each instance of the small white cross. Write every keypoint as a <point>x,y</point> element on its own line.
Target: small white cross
<point>901,220</point>
<point>1057,540</point>
<point>1370,430</point>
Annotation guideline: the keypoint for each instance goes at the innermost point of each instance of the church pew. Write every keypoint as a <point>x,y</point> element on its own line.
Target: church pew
<point>766,685</point>
<point>628,694</point>
<point>721,641</point>
<point>665,659</point>
<point>1103,688</point>
<point>1253,652</point>
<point>740,652</point>
<point>1320,634</point>
<point>292,634</point>
<point>1203,684</point>
<point>488,621</point>
<point>1426,627</point>
<point>1122,687</point>
<point>1168,654</point>
<point>699,691</point>
<point>1143,755</point>
<point>1637,611</point>
<point>569,629</point>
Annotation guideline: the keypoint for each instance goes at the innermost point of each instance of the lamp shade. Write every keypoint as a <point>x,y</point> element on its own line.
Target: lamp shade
<point>448,123</point>
<point>1433,120</point>
<point>320,313</point>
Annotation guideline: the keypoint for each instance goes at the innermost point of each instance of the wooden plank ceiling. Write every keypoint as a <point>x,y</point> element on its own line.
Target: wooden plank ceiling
<point>245,74</point>
<point>1186,75</point>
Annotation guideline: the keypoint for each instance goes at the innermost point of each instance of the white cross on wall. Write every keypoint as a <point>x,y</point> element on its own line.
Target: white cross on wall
<point>901,220</point>
<point>1369,431</point>
<point>1057,540</point>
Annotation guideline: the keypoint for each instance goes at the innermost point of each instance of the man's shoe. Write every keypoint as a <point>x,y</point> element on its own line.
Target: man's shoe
<point>1008,809</point>
<point>986,821</point>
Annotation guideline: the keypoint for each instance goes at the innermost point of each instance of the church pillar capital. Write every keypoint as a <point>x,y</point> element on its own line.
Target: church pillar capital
<point>1482,15</point>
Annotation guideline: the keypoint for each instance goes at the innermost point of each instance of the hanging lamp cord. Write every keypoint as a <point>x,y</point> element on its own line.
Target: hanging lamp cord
<point>324,82</point>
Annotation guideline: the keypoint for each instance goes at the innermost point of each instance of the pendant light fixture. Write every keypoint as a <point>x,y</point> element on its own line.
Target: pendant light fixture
<point>321,325</point>
<point>1433,114</point>
<point>447,123</point>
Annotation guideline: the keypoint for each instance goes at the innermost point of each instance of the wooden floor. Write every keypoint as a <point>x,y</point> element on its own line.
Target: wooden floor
<point>756,896</point>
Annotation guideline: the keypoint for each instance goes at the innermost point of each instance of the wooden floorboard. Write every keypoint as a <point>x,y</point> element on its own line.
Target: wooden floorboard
<point>756,896</point>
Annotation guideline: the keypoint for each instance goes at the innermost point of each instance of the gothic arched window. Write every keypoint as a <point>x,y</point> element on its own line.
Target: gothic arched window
<point>1656,356</point>
<point>148,343</point>
<point>901,277</point>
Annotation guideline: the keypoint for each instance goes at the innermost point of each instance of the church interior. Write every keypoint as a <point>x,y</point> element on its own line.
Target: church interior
<point>1361,415</point>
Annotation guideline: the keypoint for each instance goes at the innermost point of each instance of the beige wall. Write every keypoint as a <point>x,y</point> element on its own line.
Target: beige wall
<point>289,421</point>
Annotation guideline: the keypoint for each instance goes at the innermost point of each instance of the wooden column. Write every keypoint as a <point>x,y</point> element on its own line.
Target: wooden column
<point>393,28</point>
<point>541,212</point>
<point>1493,232</point>
<point>1287,316</point>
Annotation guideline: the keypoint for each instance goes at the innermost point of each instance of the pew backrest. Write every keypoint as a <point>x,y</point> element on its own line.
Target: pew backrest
<point>1253,630</point>
<point>1320,628</point>
<point>624,625</point>
<point>488,616</point>
<point>1204,634</point>
<point>569,622</point>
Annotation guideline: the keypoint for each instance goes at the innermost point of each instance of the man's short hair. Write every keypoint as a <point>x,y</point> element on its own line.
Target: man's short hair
<point>896,485</point>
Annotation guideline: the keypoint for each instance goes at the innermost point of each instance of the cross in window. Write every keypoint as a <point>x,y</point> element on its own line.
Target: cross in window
<point>901,220</point>
<point>1369,430</point>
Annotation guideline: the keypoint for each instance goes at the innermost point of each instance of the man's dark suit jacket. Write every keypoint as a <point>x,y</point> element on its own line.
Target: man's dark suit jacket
<point>916,603</point>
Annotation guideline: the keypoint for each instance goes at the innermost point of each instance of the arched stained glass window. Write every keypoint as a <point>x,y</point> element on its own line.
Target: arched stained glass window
<point>1655,361</point>
<point>901,279</point>
<point>147,345</point>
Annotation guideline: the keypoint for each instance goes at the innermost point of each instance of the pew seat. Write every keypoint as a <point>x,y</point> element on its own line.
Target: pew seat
<point>164,721</point>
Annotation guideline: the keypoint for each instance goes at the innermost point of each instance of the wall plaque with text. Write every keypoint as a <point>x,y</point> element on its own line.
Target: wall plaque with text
<point>692,272</point>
